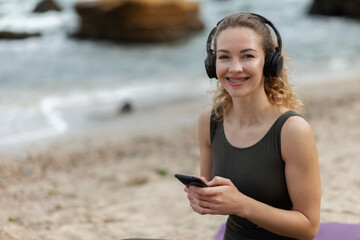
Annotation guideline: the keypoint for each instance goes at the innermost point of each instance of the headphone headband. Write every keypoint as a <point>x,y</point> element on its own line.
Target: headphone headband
<point>264,20</point>
<point>278,37</point>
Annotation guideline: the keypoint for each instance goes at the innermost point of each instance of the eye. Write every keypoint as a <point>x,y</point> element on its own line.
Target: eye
<point>223,57</point>
<point>248,56</point>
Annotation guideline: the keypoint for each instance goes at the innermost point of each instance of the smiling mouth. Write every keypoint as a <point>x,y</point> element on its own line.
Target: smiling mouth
<point>233,80</point>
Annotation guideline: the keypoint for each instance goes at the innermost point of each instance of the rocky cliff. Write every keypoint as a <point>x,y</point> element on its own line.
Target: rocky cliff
<point>138,20</point>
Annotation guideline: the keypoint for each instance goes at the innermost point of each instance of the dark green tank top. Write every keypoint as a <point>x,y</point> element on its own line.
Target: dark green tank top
<point>257,171</point>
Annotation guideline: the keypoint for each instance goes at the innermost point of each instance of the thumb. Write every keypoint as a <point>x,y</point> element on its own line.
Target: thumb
<point>219,181</point>
<point>204,179</point>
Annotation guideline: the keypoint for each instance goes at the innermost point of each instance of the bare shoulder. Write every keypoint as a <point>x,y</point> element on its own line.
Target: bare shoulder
<point>204,125</point>
<point>205,115</point>
<point>296,127</point>
<point>297,140</point>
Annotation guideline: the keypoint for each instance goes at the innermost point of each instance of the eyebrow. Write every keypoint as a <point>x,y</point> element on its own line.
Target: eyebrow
<point>241,51</point>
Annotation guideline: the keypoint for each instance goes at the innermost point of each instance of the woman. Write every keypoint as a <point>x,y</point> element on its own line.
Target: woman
<point>258,152</point>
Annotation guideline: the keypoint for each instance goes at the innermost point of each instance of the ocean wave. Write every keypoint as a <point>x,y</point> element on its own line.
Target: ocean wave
<point>53,115</point>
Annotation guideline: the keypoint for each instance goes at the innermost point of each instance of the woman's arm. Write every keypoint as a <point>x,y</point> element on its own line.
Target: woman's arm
<point>204,143</point>
<point>302,174</point>
<point>303,182</point>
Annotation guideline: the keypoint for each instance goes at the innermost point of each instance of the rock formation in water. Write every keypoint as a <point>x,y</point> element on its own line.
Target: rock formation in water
<point>138,20</point>
<point>46,5</point>
<point>347,8</point>
<point>10,35</point>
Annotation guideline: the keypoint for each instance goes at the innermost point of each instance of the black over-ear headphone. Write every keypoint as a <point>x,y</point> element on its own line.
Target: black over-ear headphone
<point>273,61</point>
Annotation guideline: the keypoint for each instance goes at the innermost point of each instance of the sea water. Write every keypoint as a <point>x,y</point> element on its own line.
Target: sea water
<point>44,80</point>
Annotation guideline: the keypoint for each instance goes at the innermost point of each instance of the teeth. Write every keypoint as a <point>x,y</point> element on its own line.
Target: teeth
<point>236,81</point>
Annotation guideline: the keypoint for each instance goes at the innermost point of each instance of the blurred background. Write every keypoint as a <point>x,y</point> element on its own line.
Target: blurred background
<point>54,84</point>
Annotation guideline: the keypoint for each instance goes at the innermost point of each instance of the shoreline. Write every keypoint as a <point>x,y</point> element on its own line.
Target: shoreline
<point>144,120</point>
<point>63,121</point>
<point>115,183</point>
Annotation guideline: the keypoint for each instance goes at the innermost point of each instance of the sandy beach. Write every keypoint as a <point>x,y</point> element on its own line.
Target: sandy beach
<point>117,184</point>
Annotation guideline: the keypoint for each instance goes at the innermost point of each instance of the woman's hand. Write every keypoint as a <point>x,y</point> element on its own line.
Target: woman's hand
<point>221,197</point>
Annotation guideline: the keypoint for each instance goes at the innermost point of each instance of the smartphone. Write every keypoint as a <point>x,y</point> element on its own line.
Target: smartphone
<point>190,180</point>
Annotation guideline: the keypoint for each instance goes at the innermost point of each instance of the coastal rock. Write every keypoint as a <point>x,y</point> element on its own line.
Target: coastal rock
<point>349,8</point>
<point>126,107</point>
<point>138,20</point>
<point>46,5</point>
<point>9,35</point>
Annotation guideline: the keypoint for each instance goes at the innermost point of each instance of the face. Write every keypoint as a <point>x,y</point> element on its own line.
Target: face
<point>240,61</point>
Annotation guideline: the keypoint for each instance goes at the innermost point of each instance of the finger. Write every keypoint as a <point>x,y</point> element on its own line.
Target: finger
<point>219,181</point>
<point>189,196</point>
<point>202,192</point>
<point>196,198</point>
<point>196,195</point>
<point>205,193</point>
<point>192,198</point>
<point>200,209</point>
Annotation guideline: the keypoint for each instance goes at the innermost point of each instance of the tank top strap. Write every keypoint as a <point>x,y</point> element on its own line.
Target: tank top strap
<point>213,125</point>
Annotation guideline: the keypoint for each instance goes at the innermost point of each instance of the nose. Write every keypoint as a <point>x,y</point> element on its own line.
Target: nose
<point>235,66</point>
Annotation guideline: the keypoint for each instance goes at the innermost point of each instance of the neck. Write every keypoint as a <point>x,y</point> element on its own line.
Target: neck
<point>250,110</point>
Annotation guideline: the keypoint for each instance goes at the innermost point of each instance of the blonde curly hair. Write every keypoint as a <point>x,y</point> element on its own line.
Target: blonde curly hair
<point>277,89</point>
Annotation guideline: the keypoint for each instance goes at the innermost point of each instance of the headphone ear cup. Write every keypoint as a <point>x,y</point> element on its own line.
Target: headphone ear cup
<point>273,65</point>
<point>210,65</point>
